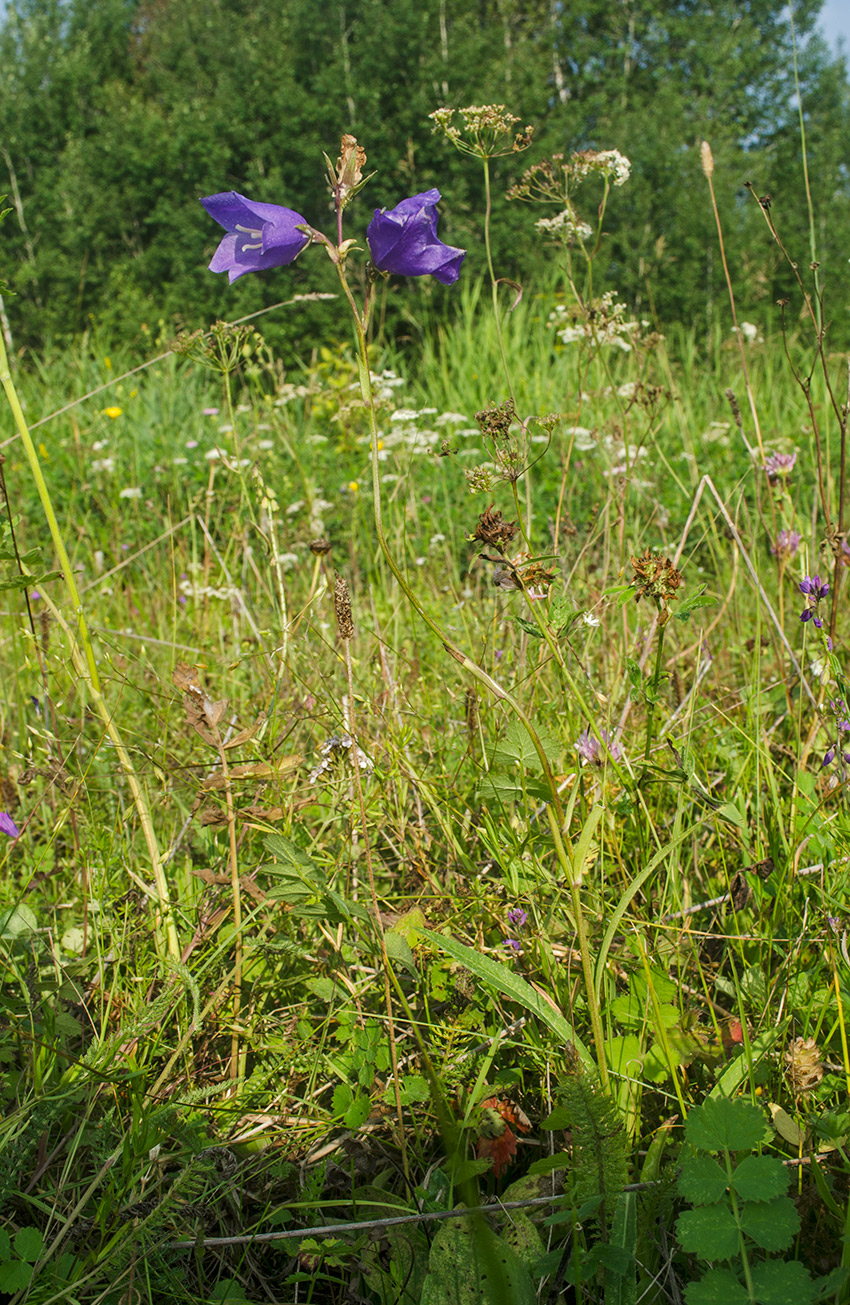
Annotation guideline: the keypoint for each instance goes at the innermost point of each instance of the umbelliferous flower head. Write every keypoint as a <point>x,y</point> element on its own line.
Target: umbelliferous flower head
<point>259,236</point>
<point>403,240</point>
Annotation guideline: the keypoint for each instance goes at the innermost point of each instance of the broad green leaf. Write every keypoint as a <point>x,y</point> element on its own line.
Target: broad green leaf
<point>28,1244</point>
<point>718,1287</point>
<point>771,1224</point>
<point>511,985</point>
<point>760,1178</point>
<point>702,1181</point>
<point>786,1127</point>
<point>17,920</point>
<point>516,748</point>
<point>780,1282</point>
<point>728,811</point>
<point>722,1124</point>
<point>470,1265</point>
<point>710,1231</point>
<point>358,1112</point>
<point>14,1275</point>
<point>342,1098</point>
<point>624,1055</point>
<point>398,949</point>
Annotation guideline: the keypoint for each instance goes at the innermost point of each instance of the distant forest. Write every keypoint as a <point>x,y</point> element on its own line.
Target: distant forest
<point>116,115</point>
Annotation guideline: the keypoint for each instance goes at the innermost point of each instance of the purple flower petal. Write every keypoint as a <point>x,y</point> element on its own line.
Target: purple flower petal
<point>259,236</point>
<point>404,240</point>
<point>8,826</point>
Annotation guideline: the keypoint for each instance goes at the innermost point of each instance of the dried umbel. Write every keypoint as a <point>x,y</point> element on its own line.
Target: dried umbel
<point>656,578</point>
<point>803,1065</point>
<point>495,421</point>
<point>321,547</point>
<point>492,529</point>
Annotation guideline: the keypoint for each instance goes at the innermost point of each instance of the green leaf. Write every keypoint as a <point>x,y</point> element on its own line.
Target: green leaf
<point>738,1071</point>
<point>710,1231</point>
<point>511,985</point>
<point>718,1287</point>
<point>621,1284</point>
<point>17,920</point>
<point>398,949</point>
<point>777,1282</point>
<point>624,1055</point>
<point>760,1178</point>
<point>358,1112</point>
<point>771,1224</point>
<point>517,749</point>
<point>529,627</point>
<point>5,1245</point>
<point>28,1244</point>
<point>702,1181</point>
<point>728,811</point>
<point>342,1098</point>
<point>14,1275</point>
<point>723,1124</point>
<point>411,1088</point>
<point>470,1265</point>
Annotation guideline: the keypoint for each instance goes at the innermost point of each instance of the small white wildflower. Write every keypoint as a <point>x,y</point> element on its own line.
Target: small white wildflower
<point>450,419</point>
<point>191,444</point>
<point>225,430</point>
<point>404,414</point>
<point>103,464</point>
<point>588,618</point>
<point>131,491</point>
<point>180,462</point>
<point>98,445</point>
<point>288,560</point>
<point>212,455</point>
<point>295,507</point>
<point>266,444</point>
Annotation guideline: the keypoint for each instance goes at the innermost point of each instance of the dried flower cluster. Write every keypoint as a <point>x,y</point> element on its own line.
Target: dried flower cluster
<point>656,578</point>
<point>486,130</point>
<point>493,530</point>
<point>803,1065</point>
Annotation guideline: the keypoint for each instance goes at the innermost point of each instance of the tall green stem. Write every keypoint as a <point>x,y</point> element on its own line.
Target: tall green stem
<point>494,285</point>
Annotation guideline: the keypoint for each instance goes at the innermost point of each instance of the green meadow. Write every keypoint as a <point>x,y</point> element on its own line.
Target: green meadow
<point>425,838</point>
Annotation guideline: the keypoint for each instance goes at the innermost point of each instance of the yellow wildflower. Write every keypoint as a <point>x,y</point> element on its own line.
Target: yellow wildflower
<point>113,412</point>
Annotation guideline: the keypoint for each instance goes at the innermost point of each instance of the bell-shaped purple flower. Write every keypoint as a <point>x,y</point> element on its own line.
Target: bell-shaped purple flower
<point>258,235</point>
<point>404,240</point>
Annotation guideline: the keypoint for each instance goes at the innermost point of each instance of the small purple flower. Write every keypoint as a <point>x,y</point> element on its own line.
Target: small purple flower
<point>513,944</point>
<point>210,412</point>
<point>517,917</point>
<point>404,240</point>
<point>780,464</point>
<point>590,747</point>
<point>8,826</point>
<point>813,586</point>
<point>35,596</point>
<point>787,543</point>
<point>828,758</point>
<point>259,236</point>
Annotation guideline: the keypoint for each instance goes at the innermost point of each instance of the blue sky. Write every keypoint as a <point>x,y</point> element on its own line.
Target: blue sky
<point>835,22</point>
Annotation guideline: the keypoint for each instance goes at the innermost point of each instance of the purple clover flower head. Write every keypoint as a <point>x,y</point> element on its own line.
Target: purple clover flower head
<point>258,235</point>
<point>590,747</point>
<point>404,240</point>
<point>787,543</point>
<point>517,917</point>
<point>513,944</point>
<point>8,826</point>
<point>780,464</point>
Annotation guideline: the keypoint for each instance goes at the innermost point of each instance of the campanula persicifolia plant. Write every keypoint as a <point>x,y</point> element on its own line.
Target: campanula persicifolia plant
<point>403,241</point>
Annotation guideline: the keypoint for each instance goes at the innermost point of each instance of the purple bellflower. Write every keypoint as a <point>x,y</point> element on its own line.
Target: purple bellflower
<point>8,826</point>
<point>258,235</point>
<point>404,240</point>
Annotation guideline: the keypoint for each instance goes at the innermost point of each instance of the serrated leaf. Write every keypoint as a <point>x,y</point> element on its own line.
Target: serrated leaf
<point>771,1224</point>
<point>723,1124</point>
<point>516,748</point>
<point>702,1181</point>
<point>718,1287</point>
<point>710,1231</point>
<point>780,1282</point>
<point>28,1243</point>
<point>760,1178</point>
<point>358,1112</point>
<point>14,1276</point>
<point>342,1098</point>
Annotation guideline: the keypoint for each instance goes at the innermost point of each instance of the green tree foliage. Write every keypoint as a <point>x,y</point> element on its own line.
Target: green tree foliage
<point>115,115</point>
